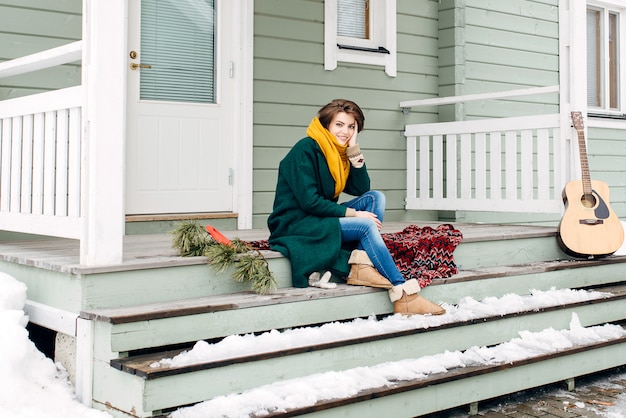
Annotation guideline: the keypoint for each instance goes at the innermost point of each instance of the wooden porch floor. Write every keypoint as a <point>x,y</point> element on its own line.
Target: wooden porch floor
<point>147,251</point>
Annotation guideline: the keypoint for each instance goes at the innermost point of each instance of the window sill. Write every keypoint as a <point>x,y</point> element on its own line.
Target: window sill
<point>379,50</point>
<point>615,116</point>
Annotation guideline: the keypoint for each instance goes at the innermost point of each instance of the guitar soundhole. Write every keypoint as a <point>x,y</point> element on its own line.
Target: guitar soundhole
<point>588,200</point>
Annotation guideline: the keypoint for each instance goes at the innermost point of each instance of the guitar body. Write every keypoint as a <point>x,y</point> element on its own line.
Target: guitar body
<point>589,227</point>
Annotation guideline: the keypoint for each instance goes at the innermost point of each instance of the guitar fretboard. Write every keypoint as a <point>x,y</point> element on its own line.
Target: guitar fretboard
<point>584,164</point>
<point>577,120</point>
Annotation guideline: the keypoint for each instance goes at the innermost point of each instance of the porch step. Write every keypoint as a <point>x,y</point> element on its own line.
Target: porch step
<point>150,262</point>
<point>195,303</point>
<point>159,388</point>
<point>142,365</point>
<point>171,323</point>
<point>470,385</point>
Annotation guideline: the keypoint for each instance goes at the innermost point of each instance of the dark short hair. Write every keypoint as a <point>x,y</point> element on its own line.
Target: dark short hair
<point>328,112</point>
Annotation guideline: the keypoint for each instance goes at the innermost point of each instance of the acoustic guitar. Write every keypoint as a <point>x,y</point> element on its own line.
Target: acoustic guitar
<point>589,227</point>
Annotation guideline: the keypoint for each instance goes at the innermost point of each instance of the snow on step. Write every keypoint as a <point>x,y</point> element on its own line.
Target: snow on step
<point>309,390</point>
<point>467,309</point>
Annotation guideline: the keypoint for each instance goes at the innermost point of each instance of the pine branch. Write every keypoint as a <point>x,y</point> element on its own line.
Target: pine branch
<point>253,267</point>
<point>190,239</point>
<point>250,266</point>
<point>220,256</point>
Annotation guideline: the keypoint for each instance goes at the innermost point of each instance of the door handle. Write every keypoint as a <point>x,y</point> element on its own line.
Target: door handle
<point>134,66</point>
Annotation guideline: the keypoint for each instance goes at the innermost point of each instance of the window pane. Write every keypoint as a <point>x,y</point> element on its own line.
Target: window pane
<point>352,18</point>
<point>178,41</point>
<point>594,59</point>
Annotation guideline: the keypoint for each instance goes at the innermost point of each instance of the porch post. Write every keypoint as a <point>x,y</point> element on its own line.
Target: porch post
<point>243,39</point>
<point>104,131</point>
<point>577,76</point>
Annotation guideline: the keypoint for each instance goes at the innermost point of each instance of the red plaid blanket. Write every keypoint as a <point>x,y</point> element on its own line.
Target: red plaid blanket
<point>424,253</point>
<point>419,253</point>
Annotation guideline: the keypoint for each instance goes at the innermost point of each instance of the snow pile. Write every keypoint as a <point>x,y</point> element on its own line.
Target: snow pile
<point>306,391</point>
<point>31,386</point>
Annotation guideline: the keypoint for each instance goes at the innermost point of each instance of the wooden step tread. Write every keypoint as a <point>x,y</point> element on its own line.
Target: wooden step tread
<point>287,295</point>
<point>529,268</point>
<point>141,365</point>
<point>219,303</point>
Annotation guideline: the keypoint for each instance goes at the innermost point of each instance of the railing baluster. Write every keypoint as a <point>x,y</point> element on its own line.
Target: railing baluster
<point>411,167</point>
<point>466,166</point>
<point>526,164</point>
<point>451,168</point>
<point>62,138</point>
<point>495,159</point>
<point>27,164</point>
<point>38,158</point>
<point>5,170</point>
<point>480,169</point>
<point>510,167</point>
<point>424,168</point>
<point>16,164</point>
<point>437,172</point>
<point>49,162</point>
<point>543,164</point>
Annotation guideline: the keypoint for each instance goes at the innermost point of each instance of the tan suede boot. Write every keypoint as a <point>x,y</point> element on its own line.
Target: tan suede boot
<point>407,301</point>
<point>363,273</point>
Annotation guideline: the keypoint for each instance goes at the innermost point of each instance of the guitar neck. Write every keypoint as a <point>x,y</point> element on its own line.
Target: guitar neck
<point>584,163</point>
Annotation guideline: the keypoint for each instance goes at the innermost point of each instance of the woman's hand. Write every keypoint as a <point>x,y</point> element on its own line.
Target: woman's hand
<point>369,215</point>
<point>352,140</point>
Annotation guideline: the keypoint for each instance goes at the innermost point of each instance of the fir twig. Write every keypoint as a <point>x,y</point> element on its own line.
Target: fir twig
<point>253,267</point>
<point>190,239</point>
<point>250,266</point>
<point>220,256</point>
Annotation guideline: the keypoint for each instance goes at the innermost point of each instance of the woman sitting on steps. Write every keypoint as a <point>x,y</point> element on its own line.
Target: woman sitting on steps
<point>316,233</point>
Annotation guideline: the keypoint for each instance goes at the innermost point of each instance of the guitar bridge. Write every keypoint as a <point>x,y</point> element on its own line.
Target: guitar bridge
<point>590,221</point>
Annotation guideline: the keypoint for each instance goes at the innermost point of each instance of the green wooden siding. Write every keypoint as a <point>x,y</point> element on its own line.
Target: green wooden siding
<point>290,85</point>
<point>445,48</point>
<point>606,149</point>
<point>29,26</point>
<point>488,46</point>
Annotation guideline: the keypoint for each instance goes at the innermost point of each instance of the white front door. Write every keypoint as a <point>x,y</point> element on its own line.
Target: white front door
<point>180,107</point>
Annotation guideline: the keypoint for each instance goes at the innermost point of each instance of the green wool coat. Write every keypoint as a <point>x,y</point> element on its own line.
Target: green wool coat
<point>304,224</point>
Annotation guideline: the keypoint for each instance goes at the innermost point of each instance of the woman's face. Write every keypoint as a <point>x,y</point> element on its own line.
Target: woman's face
<point>343,126</point>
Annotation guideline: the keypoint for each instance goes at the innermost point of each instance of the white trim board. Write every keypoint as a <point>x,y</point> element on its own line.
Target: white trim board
<point>50,317</point>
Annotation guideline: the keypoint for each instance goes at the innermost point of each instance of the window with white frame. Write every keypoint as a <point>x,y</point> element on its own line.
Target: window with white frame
<point>360,31</point>
<point>605,21</point>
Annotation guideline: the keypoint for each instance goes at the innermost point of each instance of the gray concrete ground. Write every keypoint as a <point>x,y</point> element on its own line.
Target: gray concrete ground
<point>601,395</point>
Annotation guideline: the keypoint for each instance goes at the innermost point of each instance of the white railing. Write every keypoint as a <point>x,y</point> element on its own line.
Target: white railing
<point>517,164</point>
<point>41,152</point>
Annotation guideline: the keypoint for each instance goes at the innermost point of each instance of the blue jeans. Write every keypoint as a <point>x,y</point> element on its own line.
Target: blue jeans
<point>367,236</point>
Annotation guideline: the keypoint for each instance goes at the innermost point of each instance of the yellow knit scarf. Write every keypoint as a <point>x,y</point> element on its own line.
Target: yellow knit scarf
<point>333,151</point>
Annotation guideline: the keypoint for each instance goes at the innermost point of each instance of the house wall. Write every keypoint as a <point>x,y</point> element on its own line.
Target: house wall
<point>290,85</point>
<point>445,48</point>
<point>489,46</point>
<point>498,48</point>
<point>29,26</point>
<point>606,149</point>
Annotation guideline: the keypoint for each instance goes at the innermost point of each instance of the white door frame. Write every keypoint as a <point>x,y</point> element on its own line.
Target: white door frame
<point>239,32</point>
<point>243,35</point>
